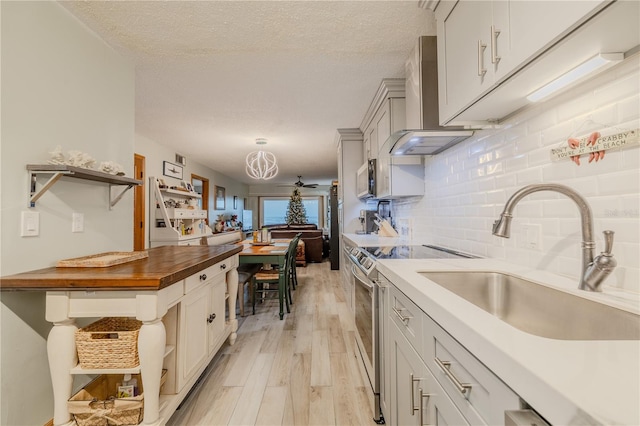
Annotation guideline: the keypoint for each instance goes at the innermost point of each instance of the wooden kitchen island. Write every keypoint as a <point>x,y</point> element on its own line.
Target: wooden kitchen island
<point>179,295</point>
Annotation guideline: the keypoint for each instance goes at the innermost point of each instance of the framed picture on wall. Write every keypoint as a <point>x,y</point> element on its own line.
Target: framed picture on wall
<point>171,170</point>
<point>235,201</point>
<point>218,201</point>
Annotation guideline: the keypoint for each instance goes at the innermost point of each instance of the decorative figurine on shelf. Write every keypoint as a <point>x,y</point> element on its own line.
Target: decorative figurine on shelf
<point>80,159</point>
<point>111,168</point>
<point>219,226</point>
<point>57,157</point>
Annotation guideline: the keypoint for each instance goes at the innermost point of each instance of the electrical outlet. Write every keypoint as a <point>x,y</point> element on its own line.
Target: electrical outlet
<point>77,222</point>
<point>29,224</point>
<point>532,234</point>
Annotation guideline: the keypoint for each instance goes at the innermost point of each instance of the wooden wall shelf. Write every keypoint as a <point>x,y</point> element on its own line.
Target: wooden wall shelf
<point>62,170</point>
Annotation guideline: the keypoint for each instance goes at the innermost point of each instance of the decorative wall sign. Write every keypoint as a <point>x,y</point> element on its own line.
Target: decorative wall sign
<point>171,170</point>
<point>218,201</point>
<point>595,145</point>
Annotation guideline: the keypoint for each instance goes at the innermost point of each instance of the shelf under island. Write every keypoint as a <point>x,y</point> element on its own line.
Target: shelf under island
<point>185,297</point>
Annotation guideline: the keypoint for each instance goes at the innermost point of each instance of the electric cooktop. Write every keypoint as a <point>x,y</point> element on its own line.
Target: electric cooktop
<point>414,252</point>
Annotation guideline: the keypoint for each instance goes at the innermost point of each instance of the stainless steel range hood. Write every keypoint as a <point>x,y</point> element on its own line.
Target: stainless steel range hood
<point>424,135</point>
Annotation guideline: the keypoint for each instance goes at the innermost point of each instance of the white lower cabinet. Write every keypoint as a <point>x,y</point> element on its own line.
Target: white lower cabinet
<point>431,378</point>
<point>407,373</point>
<point>193,349</point>
<point>487,397</point>
<point>216,314</point>
<point>202,322</point>
<point>418,398</point>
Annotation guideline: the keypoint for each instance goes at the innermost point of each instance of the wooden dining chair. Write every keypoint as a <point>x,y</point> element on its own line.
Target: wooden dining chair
<point>272,276</point>
<point>293,271</point>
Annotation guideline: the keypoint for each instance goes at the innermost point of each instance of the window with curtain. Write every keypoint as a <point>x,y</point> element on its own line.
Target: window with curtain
<point>273,210</point>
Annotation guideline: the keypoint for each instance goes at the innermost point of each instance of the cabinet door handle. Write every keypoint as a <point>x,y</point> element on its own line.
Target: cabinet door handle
<point>403,318</point>
<point>413,408</point>
<point>211,318</point>
<point>481,69</point>
<point>445,367</point>
<point>203,277</point>
<point>223,266</point>
<point>494,45</point>
<point>422,396</point>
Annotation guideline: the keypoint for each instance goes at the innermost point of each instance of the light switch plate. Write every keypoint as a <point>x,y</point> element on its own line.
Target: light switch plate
<point>29,224</point>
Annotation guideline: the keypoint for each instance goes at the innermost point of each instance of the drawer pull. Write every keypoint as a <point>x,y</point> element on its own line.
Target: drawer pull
<point>445,367</point>
<point>211,318</point>
<point>413,408</point>
<point>203,277</point>
<point>223,266</point>
<point>403,318</point>
<point>422,409</point>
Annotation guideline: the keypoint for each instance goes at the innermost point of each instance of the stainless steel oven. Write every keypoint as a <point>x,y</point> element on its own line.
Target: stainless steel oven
<point>366,294</point>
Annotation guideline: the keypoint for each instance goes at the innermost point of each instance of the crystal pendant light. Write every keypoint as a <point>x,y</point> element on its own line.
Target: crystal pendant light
<point>261,164</point>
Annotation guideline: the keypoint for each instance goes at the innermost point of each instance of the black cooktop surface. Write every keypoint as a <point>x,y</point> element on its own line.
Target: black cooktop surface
<point>414,252</point>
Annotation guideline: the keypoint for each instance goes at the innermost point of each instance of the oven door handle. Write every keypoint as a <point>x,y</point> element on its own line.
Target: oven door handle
<point>362,278</point>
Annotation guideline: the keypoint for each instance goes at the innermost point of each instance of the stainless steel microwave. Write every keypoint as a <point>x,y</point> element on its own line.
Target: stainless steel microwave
<point>366,180</point>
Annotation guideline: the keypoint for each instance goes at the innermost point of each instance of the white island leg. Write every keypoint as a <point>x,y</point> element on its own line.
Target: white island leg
<point>232,289</point>
<point>151,344</point>
<point>61,351</point>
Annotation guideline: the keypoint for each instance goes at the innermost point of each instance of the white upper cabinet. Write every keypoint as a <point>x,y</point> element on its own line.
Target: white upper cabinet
<point>462,51</point>
<point>492,54</point>
<point>534,25</point>
<point>396,177</point>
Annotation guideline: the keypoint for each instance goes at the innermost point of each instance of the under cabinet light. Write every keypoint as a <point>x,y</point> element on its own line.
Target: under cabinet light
<point>598,63</point>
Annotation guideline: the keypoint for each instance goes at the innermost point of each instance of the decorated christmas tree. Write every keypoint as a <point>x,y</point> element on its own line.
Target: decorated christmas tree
<point>296,213</point>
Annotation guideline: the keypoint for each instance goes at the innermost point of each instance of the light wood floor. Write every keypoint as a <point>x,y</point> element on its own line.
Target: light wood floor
<point>299,371</point>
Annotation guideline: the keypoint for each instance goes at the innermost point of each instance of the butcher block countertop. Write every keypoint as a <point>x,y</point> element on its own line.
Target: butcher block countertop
<point>164,266</point>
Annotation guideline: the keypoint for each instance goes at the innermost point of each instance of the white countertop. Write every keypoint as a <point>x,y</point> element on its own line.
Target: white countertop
<point>567,382</point>
<point>373,240</point>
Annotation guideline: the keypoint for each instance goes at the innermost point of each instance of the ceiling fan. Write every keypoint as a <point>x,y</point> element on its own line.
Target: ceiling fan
<point>300,184</point>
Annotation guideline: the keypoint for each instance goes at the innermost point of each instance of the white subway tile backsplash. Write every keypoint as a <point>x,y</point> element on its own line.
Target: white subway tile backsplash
<point>529,176</point>
<point>587,186</point>
<point>559,171</point>
<point>628,109</point>
<point>618,90</point>
<point>626,182</point>
<point>547,118</point>
<point>468,185</point>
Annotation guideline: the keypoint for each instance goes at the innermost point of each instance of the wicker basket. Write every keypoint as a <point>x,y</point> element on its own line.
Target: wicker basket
<point>109,343</point>
<point>96,405</point>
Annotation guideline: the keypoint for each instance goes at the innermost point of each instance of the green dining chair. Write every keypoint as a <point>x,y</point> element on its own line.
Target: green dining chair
<point>267,281</point>
<point>272,276</point>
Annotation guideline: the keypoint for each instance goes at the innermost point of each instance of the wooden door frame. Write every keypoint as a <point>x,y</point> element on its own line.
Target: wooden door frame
<point>139,216</point>
<point>205,193</point>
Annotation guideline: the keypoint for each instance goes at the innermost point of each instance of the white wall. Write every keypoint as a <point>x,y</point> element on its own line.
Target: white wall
<point>61,85</point>
<point>468,185</point>
<point>155,154</point>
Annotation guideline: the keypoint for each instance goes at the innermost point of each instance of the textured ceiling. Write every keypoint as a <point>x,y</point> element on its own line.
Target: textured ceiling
<point>212,76</point>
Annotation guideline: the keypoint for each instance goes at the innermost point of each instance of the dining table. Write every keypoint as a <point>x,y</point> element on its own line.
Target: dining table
<point>271,253</point>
